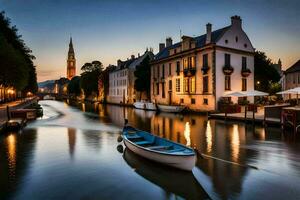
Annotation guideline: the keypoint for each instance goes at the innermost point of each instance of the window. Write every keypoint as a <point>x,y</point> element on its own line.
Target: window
<point>178,68</point>
<point>163,95</point>
<point>185,63</point>
<point>205,101</point>
<point>244,84</point>
<point>170,85</point>
<point>163,71</point>
<point>186,85</point>
<point>226,41</point>
<point>244,63</point>
<point>191,62</point>
<point>181,101</point>
<point>227,59</point>
<point>245,45</point>
<point>193,84</point>
<point>178,85</point>
<point>236,38</point>
<point>175,51</point>
<point>193,101</point>
<point>205,84</point>
<point>157,71</point>
<point>205,60</point>
<point>153,88</point>
<point>157,88</point>
<point>170,67</point>
<point>227,83</point>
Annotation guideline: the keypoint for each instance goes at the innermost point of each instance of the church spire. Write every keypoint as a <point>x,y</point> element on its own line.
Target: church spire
<point>71,49</point>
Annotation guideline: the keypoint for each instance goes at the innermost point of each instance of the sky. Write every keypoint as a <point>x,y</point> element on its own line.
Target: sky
<point>108,30</point>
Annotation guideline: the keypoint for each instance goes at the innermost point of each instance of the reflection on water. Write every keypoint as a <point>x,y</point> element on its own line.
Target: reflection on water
<point>208,134</point>
<point>187,134</point>
<point>79,150</point>
<point>11,155</point>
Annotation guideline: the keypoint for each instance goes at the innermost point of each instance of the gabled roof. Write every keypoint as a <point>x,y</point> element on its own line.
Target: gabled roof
<point>132,63</point>
<point>200,42</point>
<point>294,68</point>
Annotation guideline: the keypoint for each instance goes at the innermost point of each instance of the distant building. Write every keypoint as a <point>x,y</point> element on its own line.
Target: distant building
<point>121,80</point>
<point>198,71</point>
<point>278,67</point>
<point>291,78</point>
<point>71,62</point>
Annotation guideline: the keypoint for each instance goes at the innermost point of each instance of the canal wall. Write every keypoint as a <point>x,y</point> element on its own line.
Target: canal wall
<point>13,106</point>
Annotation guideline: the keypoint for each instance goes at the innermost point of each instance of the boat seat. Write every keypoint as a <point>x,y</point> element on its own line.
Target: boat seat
<point>134,136</point>
<point>159,147</point>
<point>175,150</point>
<point>144,142</point>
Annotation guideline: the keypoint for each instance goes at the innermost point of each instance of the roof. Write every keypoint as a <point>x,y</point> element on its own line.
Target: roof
<point>294,68</point>
<point>132,63</point>
<point>200,42</point>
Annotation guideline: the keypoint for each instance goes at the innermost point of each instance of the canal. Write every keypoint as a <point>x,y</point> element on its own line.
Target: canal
<point>73,153</point>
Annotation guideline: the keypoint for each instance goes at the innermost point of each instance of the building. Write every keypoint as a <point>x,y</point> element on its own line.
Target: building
<point>71,61</point>
<point>291,77</point>
<point>199,71</point>
<point>121,80</point>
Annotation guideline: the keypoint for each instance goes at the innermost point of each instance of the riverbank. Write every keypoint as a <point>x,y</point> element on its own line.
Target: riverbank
<point>13,106</point>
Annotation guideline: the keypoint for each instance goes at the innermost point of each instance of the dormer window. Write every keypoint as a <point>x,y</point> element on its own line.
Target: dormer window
<point>236,39</point>
<point>226,41</point>
<point>245,45</point>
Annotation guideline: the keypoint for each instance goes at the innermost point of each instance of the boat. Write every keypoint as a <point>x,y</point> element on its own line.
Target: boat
<point>183,185</point>
<point>144,105</point>
<point>159,149</point>
<point>171,108</point>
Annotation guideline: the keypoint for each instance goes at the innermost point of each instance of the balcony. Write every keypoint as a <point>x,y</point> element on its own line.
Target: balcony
<point>228,70</point>
<point>189,71</point>
<point>205,69</point>
<point>246,72</point>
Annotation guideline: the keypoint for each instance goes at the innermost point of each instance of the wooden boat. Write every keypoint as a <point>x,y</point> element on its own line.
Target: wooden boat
<point>171,108</point>
<point>159,149</point>
<point>183,185</point>
<point>145,105</point>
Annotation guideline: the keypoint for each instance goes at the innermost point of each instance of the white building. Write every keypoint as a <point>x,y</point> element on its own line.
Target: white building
<point>199,71</point>
<point>121,80</point>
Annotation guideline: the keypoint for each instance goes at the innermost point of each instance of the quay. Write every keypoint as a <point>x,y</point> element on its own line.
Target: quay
<point>14,108</point>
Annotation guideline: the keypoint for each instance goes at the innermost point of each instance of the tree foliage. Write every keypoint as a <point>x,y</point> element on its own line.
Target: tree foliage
<point>142,74</point>
<point>16,66</point>
<point>74,86</point>
<point>90,77</point>
<point>264,72</point>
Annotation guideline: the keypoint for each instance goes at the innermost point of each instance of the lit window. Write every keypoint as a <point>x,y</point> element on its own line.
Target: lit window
<point>186,85</point>
<point>178,85</point>
<point>193,85</point>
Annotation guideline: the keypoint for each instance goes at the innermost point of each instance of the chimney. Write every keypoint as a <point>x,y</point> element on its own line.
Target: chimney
<point>208,33</point>
<point>169,41</point>
<point>138,55</point>
<point>119,63</point>
<point>236,21</point>
<point>161,46</point>
<point>132,57</point>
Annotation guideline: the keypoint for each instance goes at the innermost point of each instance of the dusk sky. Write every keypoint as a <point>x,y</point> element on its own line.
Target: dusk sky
<point>110,30</point>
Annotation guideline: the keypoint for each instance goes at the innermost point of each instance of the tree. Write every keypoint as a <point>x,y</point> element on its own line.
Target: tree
<point>16,66</point>
<point>264,72</point>
<point>143,74</point>
<point>90,76</point>
<point>74,86</point>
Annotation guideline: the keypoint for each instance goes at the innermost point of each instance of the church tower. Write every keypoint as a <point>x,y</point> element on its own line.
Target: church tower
<point>71,62</point>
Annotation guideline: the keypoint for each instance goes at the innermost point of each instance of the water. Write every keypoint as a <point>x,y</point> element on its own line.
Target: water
<point>70,154</point>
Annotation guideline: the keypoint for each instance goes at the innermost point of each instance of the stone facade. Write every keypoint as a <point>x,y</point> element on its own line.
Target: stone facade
<point>291,78</point>
<point>121,80</point>
<point>198,71</point>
